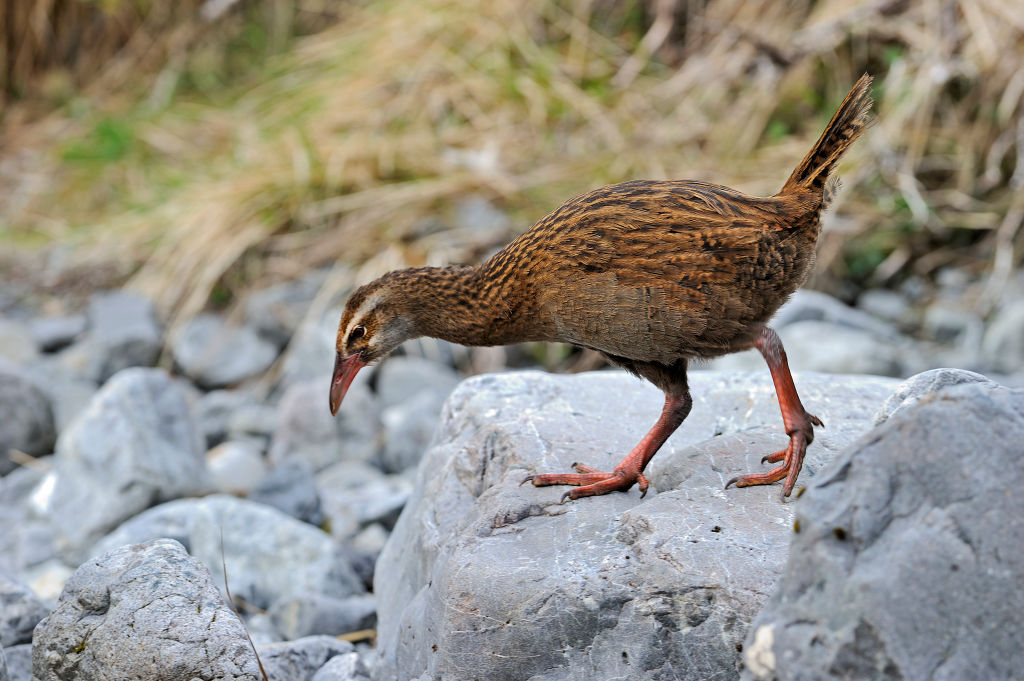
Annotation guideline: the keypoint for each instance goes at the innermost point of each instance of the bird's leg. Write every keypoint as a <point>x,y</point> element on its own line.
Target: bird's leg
<point>799,424</point>
<point>591,481</point>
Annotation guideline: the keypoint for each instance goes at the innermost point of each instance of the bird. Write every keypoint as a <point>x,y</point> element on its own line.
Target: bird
<point>652,274</point>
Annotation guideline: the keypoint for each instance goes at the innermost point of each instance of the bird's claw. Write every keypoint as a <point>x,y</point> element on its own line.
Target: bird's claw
<point>792,459</point>
<point>589,481</point>
<point>642,484</point>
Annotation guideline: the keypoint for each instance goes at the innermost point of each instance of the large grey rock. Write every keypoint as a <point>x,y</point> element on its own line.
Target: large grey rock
<point>123,332</point>
<point>306,429</point>
<point>135,446</point>
<point>269,556</point>
<point>27,422</point>
<point>908,560</point>
<point>215,354</point>
<point>299,660</point>
<point>147,611</point>
<point>20,611</point>
<point>488,578</point>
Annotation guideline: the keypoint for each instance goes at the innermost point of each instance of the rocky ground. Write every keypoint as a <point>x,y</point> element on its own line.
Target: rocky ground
<point>138,469</point>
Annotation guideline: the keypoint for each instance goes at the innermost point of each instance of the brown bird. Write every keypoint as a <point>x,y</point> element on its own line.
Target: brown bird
<point>651,274</point>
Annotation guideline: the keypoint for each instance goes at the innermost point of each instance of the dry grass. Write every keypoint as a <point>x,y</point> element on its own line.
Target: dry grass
<point>352,138</point>
<point>75,44</point>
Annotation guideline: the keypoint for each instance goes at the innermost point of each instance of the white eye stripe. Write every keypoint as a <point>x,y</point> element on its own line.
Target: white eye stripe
<point>367,305</point>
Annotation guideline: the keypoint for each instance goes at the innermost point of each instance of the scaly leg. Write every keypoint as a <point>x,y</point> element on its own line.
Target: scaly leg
<point>592,482</point>
<point>799,424</point>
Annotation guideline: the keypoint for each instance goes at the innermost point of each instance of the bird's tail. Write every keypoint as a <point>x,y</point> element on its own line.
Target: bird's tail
<point>845,127</point>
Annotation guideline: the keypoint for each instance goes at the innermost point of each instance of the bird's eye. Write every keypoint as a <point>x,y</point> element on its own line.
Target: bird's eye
<point>356,333</point>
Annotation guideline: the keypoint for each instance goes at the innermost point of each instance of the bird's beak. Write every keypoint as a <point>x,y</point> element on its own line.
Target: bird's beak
<point>345,369</point>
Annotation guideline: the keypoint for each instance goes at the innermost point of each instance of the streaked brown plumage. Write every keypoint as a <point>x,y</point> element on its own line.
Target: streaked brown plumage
<point>651,274</point>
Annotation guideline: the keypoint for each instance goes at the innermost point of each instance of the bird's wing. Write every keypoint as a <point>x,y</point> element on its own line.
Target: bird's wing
<point>649,273</point>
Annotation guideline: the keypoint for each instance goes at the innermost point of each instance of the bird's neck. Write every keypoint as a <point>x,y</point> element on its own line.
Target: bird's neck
<point>461,304</point>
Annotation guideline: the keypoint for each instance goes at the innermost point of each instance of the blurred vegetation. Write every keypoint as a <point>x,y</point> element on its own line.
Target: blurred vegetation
<point>196,149</point>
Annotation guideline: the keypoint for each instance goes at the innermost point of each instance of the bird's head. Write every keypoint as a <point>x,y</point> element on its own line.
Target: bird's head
<point>373,324</point>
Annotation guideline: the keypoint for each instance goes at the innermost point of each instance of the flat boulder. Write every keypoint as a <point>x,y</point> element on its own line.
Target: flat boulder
<point>485,578</point>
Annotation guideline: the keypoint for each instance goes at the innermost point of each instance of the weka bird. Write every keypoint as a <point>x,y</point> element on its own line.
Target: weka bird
<point>651,274</point>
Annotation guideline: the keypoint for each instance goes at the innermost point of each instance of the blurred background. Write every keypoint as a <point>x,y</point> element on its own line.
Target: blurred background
<point>195,152</point>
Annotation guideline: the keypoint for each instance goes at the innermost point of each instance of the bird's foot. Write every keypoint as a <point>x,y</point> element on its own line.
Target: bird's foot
<point>792,458</point>
<point>592,482</point>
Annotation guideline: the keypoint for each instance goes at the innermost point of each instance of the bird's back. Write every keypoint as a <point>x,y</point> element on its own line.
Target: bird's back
<point>655,271</point>
<point>658,271</point>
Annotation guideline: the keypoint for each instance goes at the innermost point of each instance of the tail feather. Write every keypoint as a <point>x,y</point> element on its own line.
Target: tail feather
<point>845,127</point>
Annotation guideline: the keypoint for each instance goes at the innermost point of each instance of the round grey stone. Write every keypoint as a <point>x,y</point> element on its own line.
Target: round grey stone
<point>216,354</point>
<point>27,424</point>
<point>147,611</point>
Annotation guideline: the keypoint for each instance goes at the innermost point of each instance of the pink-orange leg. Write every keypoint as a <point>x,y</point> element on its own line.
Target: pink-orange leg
<point>799,424</point>
<point>591,482</point>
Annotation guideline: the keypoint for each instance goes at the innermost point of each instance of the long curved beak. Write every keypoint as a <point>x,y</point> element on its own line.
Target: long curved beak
<point>345,369</point>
